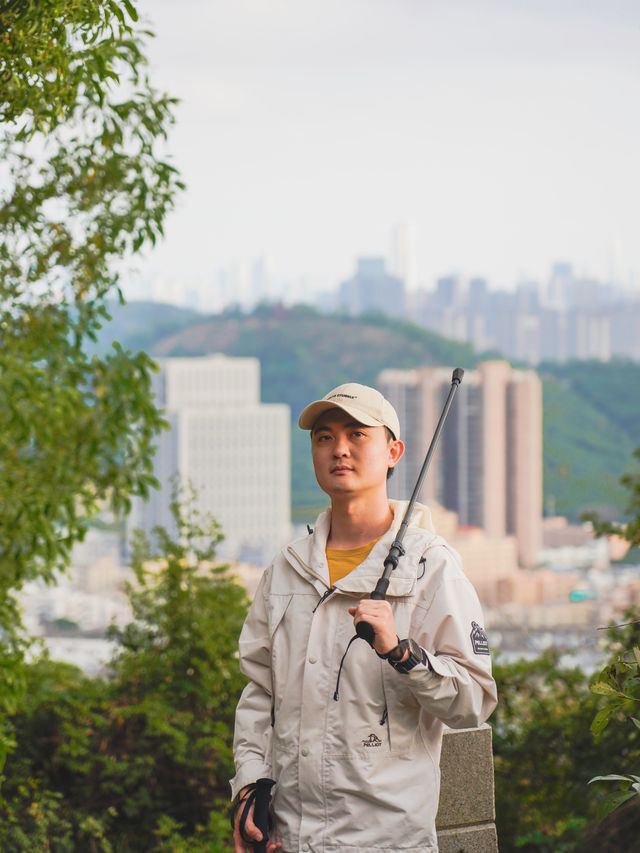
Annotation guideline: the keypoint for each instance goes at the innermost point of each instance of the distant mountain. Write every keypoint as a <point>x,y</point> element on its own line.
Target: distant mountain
<point>591,413</point>
<point>304,353</point>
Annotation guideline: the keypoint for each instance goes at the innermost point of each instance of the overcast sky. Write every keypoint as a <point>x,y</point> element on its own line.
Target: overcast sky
<point>508,132</point>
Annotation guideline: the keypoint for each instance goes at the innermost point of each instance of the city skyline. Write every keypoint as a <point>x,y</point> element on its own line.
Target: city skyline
<point>306,131</point>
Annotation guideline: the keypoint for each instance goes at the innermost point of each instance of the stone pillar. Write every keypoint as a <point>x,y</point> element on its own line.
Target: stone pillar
<point>466,813</point>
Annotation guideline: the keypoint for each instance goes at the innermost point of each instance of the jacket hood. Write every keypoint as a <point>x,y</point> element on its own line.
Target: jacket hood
<point>308,554</point>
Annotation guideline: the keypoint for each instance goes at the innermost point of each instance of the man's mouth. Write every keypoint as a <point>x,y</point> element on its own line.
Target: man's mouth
<point>340,468</point>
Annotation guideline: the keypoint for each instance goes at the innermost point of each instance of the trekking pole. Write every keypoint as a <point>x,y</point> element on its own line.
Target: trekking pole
<point>364,629</point>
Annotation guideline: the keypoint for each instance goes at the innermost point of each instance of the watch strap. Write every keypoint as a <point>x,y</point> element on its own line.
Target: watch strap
<point>394,654</point>
<point>416,655</point>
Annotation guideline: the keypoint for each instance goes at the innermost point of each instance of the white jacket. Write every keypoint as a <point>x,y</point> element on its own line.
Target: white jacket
<point>361,773</point>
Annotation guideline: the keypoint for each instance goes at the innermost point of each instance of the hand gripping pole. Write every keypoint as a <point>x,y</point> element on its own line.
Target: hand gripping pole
<point>261,813</point>
<point>364,629</point>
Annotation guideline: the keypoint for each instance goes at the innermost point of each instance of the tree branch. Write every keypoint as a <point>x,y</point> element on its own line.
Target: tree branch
<point>623,625</point>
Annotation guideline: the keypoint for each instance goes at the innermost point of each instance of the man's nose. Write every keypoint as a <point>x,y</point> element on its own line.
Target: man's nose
<point>341,446</point>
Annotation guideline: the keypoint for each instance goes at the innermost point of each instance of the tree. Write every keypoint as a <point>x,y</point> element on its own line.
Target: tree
<point>177,678</point>
<point>544,755</point>
<point>82,188</point>
<point>138,760</point>
<point>552,729</point>
<point>619,681</point>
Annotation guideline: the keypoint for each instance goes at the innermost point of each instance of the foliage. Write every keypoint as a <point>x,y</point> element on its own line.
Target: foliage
<point>138,760</point>
<point>177,678</point>
<point>631,529</point>
<point>544,754</point>
<point>619,684</point>
<point>82,186</point>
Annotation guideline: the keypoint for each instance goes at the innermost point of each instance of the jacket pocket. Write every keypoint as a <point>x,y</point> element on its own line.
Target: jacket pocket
<point>403,712</point>
<point>277,607</point>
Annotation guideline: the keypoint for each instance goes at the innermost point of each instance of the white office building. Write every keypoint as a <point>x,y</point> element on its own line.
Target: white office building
<point>233,449</point>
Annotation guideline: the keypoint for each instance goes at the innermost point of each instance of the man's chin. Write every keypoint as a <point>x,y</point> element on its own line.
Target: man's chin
<point>337,487</point>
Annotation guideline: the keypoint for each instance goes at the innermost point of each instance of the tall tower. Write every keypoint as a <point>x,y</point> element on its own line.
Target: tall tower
<point>403,254</point>
<point>488,467</point>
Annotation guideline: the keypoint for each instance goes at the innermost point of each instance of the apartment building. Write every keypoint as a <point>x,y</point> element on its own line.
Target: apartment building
<point>233,449</point>
<point>488,466</point>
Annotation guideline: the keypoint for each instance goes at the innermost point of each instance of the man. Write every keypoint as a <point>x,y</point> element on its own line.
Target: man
<point>354,747</point>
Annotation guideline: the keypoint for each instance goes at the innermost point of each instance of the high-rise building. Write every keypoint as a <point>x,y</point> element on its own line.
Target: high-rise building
<point>403,254</point>
<point>373,289</point>
<point>233,449</point>
<point>488,466</point>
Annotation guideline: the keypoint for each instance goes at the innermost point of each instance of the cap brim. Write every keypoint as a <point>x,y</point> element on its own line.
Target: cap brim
<point>312,412</point>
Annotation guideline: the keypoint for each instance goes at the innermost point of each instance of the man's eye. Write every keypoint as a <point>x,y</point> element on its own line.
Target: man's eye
<point>357,434</point>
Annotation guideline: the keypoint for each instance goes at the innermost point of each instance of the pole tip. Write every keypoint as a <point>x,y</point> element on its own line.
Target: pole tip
<point>458,373</point>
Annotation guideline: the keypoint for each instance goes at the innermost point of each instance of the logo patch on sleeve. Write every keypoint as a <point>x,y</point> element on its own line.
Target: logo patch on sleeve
<point>479,640</point>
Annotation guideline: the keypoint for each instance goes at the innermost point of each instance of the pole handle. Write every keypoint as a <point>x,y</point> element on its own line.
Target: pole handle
<point>261,813</point>
<point>363,629</point>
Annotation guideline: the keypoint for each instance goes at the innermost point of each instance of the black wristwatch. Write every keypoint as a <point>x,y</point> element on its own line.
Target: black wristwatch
<point>416,656</point>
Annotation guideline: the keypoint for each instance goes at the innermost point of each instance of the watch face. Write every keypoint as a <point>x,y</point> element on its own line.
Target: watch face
<point>415,652</point>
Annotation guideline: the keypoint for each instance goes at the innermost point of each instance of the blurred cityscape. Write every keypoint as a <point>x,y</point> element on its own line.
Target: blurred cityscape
<point>541,580</point>
<point>569,315</point>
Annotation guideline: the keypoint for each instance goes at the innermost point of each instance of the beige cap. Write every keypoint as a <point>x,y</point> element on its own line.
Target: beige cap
<point>365,404</point>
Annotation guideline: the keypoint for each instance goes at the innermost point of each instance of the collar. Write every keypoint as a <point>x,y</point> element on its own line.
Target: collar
<point>308,555</point>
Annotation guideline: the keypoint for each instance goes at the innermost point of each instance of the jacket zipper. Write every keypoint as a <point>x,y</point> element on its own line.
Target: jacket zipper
<point>302,563</point>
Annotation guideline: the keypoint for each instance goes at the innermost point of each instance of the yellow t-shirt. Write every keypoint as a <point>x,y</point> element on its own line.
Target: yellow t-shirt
<point>343,560</point>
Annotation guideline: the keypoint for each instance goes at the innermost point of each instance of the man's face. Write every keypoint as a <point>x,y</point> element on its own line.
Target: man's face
<point>349,457</point>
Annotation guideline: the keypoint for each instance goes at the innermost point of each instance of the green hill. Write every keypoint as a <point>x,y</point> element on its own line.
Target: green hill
<point>591,414</point>
<point>591,427</point>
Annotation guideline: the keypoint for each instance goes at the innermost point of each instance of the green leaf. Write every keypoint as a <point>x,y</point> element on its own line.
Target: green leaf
<point>613,801</point>
<point>131,10</point>
<point>612,777</point>
<point>604,689</point>
<point>601,719</point>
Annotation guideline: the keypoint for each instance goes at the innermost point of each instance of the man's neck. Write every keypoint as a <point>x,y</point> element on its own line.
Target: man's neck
<point>356,521</point>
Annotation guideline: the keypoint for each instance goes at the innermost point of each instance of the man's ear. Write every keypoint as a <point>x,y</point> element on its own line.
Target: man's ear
<point>396,450</point>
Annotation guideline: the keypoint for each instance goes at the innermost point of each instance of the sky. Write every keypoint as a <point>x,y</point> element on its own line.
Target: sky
<point>506,132</point>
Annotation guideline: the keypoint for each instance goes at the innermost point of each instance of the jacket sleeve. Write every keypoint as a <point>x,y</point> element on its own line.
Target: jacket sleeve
<point>456,684</point>
<point>252,736</point>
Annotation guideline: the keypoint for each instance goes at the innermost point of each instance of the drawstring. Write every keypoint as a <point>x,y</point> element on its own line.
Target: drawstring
<point>336,695</point>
